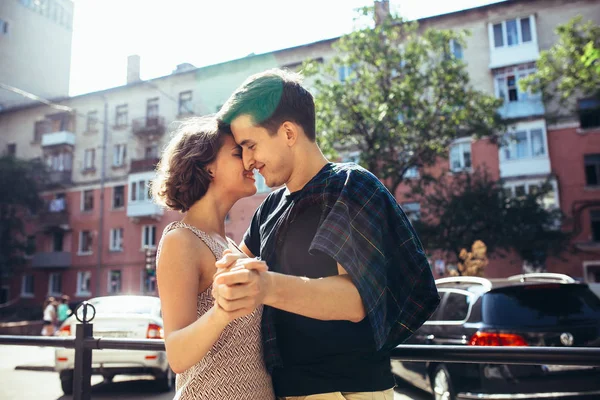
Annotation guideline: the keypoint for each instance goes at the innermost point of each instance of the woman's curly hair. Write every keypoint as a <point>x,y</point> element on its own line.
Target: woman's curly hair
<point>181,175</point>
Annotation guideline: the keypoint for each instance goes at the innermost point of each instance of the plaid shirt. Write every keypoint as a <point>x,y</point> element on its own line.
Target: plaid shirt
<point>364,229</point>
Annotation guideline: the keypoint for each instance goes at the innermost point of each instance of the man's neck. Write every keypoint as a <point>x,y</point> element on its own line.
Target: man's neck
<point>306,169</point>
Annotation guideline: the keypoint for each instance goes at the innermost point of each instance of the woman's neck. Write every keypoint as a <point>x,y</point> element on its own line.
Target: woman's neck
<point>208,214</point>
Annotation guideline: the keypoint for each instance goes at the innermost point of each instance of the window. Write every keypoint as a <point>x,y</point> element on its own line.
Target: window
<point>592,169</point>
<point>116,239</point>
<point>149,236</point>
<point>3,27</point>
<point>595,221</point>
<point>456,307</point>
<point>140,191</point>
<point>456,49</point>
<point>84,282</point>
<point>87,200</point>
<point>54,284</point>
<point>11,149</point>
<point>27,287</point>
<point>58,240</point>
<point>524,144</point>
<point>89,159</point>
<point>92,121</point>
<point>506,81</point>
<point>121,115</point>
<point>85,242</point>
<point>148,280</point>
<point>412,173</point>
<point>261,185</point>
<point>185,103</point>
<point>118,196</point>
<point>119,154</point>
<point>523,188</point>
<point>61,161</point>
<point>460,156</point>
<point>151,151</point>
<point>114,282</point>
<point>512,32</point>
<point>589,113</point>
<point>412,211</point>
<point>344,72</point>
<point>152,110</point>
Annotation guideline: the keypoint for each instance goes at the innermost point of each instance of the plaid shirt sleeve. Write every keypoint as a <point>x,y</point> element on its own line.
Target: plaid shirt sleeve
<point>366,232</point>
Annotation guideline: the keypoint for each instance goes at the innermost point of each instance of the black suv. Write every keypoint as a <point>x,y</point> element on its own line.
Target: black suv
<point>522,310</point>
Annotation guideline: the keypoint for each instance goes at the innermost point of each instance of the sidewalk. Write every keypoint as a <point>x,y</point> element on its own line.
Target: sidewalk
<point>31,358</point>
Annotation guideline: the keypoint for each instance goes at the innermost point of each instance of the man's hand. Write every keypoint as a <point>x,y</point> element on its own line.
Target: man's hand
<point>243,286</point>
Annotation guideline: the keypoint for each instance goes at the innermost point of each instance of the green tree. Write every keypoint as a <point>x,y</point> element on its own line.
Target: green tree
<point>466,207</point>
<point>20,181</point>
<point>405,98</point>
<point>571,66</point>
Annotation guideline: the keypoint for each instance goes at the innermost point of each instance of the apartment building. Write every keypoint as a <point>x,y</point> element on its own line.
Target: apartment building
<point>100,222</point>
<point>35,48</point>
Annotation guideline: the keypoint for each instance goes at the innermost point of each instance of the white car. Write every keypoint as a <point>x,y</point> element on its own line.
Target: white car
<point>132,317</point>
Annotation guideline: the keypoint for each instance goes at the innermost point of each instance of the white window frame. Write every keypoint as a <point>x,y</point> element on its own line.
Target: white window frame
<point>109,288</point>
<point>261,185</point>
<point>115,239</point>
<point>412,210</point>
<point>527,128</point>
<point>89,159</point>
<point>520,42</point>
<point>24,285</point>
<point>121,115</point>
<point>148,245</point>
<point>461,143</point>
<point>453,48</point>
<point>184,105</point>
<point>92,121</point>
<point>81,276</point>
<point>134,190</point>
<point>119,154</point>
<point>528,183</point>
<point>519,72</point>
<point>51,280</point>
<point>79,248</point>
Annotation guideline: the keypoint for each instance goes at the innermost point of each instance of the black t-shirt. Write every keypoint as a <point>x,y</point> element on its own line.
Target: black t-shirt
<point>318,356</point>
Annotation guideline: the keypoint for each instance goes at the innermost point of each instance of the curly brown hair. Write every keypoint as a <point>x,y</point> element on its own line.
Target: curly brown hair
<point>182,178</point>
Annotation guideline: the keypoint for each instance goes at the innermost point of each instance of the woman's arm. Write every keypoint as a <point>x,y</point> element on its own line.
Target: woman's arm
<point>182,263</point>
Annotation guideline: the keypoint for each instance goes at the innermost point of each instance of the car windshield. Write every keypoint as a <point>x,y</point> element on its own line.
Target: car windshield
<point>126,305</point>
<point>536,305</point>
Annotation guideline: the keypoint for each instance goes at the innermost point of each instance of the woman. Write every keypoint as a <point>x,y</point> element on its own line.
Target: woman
<point>49,317</point>
<point>217,355</point>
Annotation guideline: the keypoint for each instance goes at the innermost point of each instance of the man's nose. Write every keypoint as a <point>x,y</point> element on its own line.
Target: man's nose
<point>247,159</point>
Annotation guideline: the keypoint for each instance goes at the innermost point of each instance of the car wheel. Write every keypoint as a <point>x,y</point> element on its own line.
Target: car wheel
<point>66,382</point>
<point>442,384</point>
<point>166,381</point>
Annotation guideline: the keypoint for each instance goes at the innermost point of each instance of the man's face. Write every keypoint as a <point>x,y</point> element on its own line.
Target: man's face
<point>270,154</point>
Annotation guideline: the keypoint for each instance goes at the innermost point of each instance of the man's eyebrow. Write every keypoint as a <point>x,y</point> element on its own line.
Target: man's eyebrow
<point>246,142</point>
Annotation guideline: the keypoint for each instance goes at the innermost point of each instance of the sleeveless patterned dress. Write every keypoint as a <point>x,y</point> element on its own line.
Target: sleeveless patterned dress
<point>234,368</point>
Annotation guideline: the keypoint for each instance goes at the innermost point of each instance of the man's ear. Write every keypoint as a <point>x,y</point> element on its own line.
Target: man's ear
<point>291,131</point>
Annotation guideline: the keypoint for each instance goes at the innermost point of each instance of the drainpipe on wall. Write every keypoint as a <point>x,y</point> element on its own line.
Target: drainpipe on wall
<point>102,180</point>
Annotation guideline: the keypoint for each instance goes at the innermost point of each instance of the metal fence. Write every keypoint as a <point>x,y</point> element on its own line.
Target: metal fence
<point>84,342</point>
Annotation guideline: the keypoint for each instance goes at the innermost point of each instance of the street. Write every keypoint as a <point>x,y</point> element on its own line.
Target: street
<point>33,381</point>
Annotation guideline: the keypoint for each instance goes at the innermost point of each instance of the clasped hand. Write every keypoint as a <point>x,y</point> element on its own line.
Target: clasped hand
<point>239,285</point>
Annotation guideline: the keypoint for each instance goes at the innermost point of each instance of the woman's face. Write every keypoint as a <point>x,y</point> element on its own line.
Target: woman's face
<point>229,175</point>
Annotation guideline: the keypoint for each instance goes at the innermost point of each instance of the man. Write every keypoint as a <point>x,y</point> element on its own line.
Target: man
<point>348,279</point>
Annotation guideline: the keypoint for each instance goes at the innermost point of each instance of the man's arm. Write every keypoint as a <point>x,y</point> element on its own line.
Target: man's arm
<point>331,298</point>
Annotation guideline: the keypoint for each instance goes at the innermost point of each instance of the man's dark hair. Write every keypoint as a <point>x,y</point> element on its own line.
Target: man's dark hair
<point>270,98</point>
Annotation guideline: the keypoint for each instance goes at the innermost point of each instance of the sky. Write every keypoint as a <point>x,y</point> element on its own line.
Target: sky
<point>165,33</point>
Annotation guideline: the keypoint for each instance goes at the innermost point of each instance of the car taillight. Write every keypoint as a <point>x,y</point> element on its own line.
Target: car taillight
<point>154,332</point>
<point>64,331</point>
<point>496,339</point>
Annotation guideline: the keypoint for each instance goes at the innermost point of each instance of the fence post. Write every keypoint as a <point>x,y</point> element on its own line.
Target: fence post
<point>82,375</point>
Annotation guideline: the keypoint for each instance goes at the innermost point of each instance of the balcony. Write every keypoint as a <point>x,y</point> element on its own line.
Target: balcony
<point>55,259</point>
<point>144,209</point>
<point>521,109</point>
<point>143,165</point>
<point>149,127</point>
<point>56,179</point>
<point>513,42</point>
<point>61,138</point>
<point>54,216</point>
